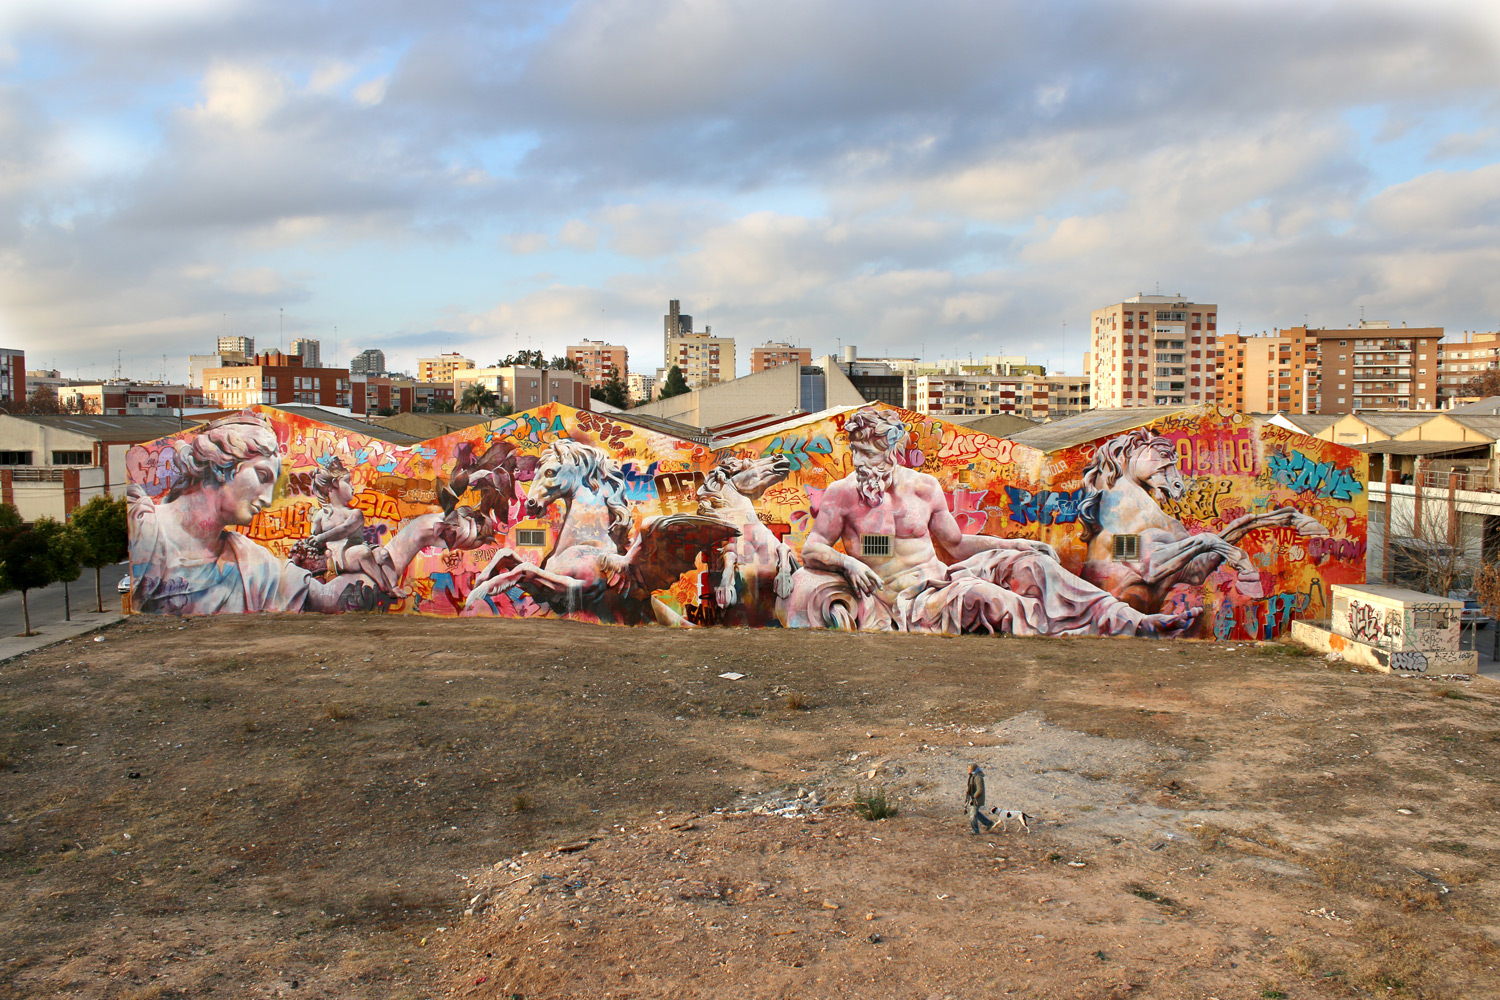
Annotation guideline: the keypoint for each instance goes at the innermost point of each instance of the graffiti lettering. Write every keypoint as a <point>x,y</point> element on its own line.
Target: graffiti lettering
<point>1409,661</point>
<point>1046,507</point>
<point>1266,618</point>
<point>610,433</point>
<point>965,445</point>
<point>376,504</point>
<point>294,521</point>
<point>1230,455</point>
<point>639,487</point>
<point>799,448</point>
<point>1364,622</point>
<point>1320,550</point>
<point>1304,475</point>
<point>1202,500</point>
<point>678,490</point>
<point>964,505</point>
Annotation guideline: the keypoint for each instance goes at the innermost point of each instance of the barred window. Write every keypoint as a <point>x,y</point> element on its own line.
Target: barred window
<point>875,545</point>
<point>532,537</point>
<point>1127,546</point>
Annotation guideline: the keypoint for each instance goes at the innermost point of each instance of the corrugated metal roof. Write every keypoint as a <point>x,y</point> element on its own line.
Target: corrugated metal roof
<point>1416,447</point>
<point>1394,423</point>
<point>661,425</point>
<point>1488,406</point>
<point>102,428</point>
<point>349,422</point>
<point>1312,423</point>
<point>1070,431</point>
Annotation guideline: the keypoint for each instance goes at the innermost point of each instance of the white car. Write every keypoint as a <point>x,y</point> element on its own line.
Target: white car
<point>124,585</point>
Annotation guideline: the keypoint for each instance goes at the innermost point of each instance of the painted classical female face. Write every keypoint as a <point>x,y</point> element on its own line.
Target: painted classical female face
<point>248,491</point>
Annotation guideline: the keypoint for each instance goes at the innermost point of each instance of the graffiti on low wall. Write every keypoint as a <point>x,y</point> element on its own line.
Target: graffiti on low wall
<point>1200,524</point>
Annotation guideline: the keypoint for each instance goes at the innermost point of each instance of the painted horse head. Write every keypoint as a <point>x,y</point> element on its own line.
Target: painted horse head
<point>566,468</point>
<point>1139,456</point>
<point>749,477</point>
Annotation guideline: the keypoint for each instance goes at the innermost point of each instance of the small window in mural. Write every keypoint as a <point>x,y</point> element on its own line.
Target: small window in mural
<point>1127,546</point>
<point>875,545</point>
<point>536,537</point>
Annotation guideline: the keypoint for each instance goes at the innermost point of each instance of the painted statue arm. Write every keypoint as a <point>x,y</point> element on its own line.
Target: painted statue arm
<point>414,536</point>
<point>944,529</point>
<point>818,551</point>
<point>1161,560</point>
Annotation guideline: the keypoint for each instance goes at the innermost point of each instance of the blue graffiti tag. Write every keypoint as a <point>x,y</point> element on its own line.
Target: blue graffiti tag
<point>1046,507</point>
<point>640,484</point>
<point>1303,475</point>
<point>798,448</point>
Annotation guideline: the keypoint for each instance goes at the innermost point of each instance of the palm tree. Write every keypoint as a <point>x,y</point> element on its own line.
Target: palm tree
<point>478,397</point>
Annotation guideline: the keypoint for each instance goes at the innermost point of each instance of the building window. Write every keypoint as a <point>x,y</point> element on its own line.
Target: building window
<point>15,458</point>
<point>72,458</point>
<point>531,537</point>
<point>1127,546</point>
<point>875,545</point>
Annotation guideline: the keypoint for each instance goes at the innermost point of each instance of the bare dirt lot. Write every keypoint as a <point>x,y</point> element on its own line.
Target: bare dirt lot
<point>308,806</point>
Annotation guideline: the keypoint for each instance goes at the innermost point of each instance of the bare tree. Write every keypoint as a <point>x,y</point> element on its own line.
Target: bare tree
<point>1487,591</point>
<point>1426,547</point>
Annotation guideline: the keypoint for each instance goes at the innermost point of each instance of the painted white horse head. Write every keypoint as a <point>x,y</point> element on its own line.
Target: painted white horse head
<point>567,467</point>
<point>749,477</point>
<point>1139,456</point>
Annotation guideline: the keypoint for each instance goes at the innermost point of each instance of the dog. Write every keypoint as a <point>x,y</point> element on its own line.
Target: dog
<point>1004,816</point>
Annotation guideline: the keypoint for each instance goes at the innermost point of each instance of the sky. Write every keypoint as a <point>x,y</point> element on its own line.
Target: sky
<point>944,179</point>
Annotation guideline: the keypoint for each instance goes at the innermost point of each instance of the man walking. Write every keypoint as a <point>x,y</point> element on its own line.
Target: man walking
<point>974,800</point>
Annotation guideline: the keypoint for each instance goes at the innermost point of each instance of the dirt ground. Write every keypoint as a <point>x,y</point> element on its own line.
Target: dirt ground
<point>405,807</point>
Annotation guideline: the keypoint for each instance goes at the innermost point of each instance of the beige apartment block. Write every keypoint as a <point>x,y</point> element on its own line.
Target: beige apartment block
<point>640,387</point>
<point>1375,366</point>
<point>596,359</point>
<point>442,367</point>
<point>1153,350</point>
<point>773,354</point>
<point>703,358</point>
<point>1268,373</point>
<point>1460,361</point>
<point>521,388</point>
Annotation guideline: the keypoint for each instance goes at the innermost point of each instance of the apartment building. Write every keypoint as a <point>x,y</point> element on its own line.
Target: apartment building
<point>1052,397</point>
<point>275,378</point>
<point>237,345</point>
<point>774,354</point>
<point>442,367</point>
<point>1268,373</point>
<point>964,394</point>
<point>125,399</point>
<point>1153,350</point>
<point>1462,360</point>
<point>372,394</point>
<point>639,387</point>
<point>596,359</point>
<point>1377,367</point>
<point>521,388</point>
<point>675,323</point>
<point>370,362</point>
<point>703,358</point>
<point>12,376</point>
<point>310,351</point>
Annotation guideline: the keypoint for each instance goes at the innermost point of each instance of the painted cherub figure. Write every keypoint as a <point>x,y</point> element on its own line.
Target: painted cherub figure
<point>338,530</point>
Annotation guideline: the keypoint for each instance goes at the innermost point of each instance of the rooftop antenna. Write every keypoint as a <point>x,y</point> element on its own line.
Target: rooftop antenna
<point>281,336</point>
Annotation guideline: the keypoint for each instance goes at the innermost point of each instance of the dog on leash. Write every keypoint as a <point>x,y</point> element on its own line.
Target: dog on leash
<point>1004,816</point>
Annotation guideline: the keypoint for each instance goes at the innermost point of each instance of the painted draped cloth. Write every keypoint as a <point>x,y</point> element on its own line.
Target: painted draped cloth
<point>1008,590</point>
<point>243,578</point>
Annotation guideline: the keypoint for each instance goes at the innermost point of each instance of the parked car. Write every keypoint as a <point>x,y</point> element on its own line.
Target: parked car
<point>124,585</point>
<point>1473,613</point>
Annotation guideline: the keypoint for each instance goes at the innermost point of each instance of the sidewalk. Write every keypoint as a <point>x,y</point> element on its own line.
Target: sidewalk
<point>83,622</point>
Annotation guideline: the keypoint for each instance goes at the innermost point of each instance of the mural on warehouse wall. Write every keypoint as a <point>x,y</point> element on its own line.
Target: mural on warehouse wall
<point>1202,524</point>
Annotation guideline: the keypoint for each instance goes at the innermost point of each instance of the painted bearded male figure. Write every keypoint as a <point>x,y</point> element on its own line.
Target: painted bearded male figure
<point>894,522</point>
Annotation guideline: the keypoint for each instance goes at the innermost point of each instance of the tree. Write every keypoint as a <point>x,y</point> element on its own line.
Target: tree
<point>478,398</point>
<point>673,385</point>
<point>567,365</point>
<point>66,549</point>
<point>26,564</point>
<point>1487,592</point>
<point>612,391</point>
<point>526,359</point>
<point>101,525</point>
<point>1482,385</point>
